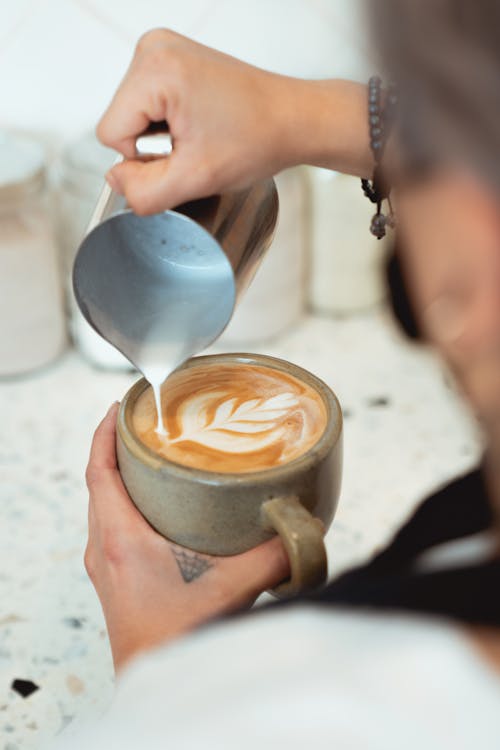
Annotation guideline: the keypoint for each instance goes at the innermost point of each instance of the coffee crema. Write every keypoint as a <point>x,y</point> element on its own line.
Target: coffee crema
<point>231,418</point>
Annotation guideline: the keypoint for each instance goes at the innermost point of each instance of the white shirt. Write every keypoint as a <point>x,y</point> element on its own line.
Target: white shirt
<point>305,677</point>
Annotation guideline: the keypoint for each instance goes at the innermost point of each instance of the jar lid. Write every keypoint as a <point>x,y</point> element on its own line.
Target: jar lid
<point>22,166</point>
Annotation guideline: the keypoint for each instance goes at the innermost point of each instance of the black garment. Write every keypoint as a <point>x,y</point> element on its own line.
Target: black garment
<point>390,581</point>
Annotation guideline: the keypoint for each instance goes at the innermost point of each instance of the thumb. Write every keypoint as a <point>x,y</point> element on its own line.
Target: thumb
<point>157,185</point>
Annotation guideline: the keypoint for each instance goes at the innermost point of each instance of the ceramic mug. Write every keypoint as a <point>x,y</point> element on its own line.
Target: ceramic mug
<point>227,513</point>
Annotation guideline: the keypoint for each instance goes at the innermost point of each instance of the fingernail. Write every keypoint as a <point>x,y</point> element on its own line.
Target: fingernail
<point>113,182</point>
<point>113,406</point>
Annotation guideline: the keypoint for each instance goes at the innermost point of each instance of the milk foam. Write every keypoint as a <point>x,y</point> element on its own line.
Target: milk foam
<point>249,426</point>
<point>232,417</point>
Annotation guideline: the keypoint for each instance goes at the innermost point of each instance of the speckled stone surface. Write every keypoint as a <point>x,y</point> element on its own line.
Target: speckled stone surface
<point>405,432</point>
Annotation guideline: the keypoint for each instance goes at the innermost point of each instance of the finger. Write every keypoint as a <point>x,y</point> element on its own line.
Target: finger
<point>133,107</point>
<point>264,566</point>
<point>110,506</point>
<point>109,502</point>
<point>103,451</point>
<point>154,186</point>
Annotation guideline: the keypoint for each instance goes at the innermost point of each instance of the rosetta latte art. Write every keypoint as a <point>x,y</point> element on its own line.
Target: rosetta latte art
<point>234,418</point>
<point>251,426</point>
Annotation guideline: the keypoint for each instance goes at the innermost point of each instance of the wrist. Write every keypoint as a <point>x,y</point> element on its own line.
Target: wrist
<point>324,123</point>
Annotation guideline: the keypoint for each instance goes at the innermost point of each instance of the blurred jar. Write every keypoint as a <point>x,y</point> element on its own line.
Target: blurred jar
<point>82,169</point>
<point>32,327</point>
<point>347,261</point>
<point>276,297</point>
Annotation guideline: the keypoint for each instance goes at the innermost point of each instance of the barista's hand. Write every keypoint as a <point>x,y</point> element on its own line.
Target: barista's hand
<point>224,118</point>
<point>151,590</point>
<point>231,123</point>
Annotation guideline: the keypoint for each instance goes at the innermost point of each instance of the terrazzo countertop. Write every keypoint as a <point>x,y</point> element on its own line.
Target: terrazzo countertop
<point>405,432</point>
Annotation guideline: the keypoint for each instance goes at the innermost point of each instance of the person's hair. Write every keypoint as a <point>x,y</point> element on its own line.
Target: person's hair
<point>445,57</point>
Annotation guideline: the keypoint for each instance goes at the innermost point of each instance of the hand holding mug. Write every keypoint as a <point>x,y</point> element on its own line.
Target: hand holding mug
<point>252,447</point>
<point>150,589</point>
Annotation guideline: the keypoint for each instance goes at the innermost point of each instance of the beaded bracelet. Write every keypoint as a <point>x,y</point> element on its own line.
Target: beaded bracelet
<point>380,121</point>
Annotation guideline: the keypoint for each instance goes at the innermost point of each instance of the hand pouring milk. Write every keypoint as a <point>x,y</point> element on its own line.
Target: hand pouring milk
<point>161,288</point>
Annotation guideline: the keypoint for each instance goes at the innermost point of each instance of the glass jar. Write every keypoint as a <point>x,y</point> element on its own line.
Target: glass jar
<point>276,298</point>
<point>81,177</point>
<point>347,261</point>
<point>32,326</point>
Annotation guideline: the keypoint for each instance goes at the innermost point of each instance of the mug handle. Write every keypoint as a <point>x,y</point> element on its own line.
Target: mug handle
<point>302,536</point>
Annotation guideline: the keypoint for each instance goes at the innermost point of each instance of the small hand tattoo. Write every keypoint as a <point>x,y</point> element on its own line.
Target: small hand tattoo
<point>191,564</point>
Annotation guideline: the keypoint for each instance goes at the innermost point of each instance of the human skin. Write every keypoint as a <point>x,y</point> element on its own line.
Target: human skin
<point>150,589</point>
<point>232,123</point>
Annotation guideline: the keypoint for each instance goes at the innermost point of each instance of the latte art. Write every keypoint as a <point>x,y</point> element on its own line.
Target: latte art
<point>232,417</point>
<point>251,426</point>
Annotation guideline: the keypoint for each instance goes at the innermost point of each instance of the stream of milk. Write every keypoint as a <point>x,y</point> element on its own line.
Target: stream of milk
<point>156,375</point>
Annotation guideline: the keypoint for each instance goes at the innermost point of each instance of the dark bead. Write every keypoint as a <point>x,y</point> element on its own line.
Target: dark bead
<point>391,221</point>
<point>377,226</point>
<point>375,132</point>
<point>374,120</point>
<point>373,109</point>
<point>376,145</point>
<point>373,97</point>
<point>375,81</point>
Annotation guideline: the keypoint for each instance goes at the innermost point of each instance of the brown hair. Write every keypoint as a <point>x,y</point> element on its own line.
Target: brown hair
<point>445,57</point>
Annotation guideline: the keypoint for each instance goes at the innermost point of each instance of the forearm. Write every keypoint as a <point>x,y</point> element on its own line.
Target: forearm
<point>325,124</point>
<point>231,123</point>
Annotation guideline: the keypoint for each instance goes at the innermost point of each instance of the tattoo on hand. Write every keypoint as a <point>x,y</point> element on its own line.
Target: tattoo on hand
<point>191,564</point>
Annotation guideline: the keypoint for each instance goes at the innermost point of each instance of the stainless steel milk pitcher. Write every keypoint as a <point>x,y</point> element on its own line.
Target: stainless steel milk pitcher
<point>163,287</point>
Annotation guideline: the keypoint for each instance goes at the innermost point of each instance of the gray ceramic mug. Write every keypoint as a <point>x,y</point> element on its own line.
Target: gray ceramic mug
<point>226,514</point>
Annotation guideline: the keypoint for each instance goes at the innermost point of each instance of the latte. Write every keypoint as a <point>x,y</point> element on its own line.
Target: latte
<point>231,418</point>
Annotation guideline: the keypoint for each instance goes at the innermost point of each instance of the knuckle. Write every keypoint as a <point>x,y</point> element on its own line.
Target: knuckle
<point>89,562</point>
<point>102,133</point>
<point>92,476</point>
<point>113,548</point>
<point>152,38</point>
<point>165,60</point>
